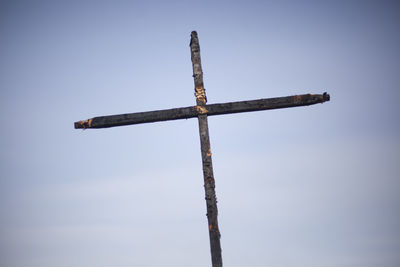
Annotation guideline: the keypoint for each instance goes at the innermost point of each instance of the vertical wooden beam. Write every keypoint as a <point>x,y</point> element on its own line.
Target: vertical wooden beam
<point>209,182</point>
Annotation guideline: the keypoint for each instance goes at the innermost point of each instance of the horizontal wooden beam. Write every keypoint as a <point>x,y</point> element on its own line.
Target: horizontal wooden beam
<point>210,110</point>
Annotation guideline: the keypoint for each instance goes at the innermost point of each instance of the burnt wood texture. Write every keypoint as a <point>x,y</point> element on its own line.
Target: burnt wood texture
<point>202,111</point>
<point>210,110</point>
<point>209,182</point>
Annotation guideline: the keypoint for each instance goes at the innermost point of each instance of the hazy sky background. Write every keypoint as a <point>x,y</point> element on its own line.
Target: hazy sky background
<point>308,186</point>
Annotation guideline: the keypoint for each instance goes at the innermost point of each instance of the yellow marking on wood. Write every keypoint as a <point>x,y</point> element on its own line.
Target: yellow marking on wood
<point>201,110</point>
<point>200,94</point>
<point>209,152</point>
<point>86,123</point>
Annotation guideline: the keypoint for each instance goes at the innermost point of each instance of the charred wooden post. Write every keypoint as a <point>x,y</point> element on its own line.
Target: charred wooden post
<point>209,182</point>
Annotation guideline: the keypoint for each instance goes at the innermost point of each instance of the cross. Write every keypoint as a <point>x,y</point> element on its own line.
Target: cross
<point>202,111</point>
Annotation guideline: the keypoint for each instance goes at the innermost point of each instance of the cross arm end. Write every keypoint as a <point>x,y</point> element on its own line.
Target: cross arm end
<point>83,124</point>
<point>326,96</point>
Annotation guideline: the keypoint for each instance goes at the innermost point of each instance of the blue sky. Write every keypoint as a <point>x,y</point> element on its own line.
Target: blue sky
<point>309,186</point>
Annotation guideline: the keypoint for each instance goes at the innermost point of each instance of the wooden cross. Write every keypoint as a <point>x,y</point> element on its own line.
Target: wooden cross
<point>202,111</point>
